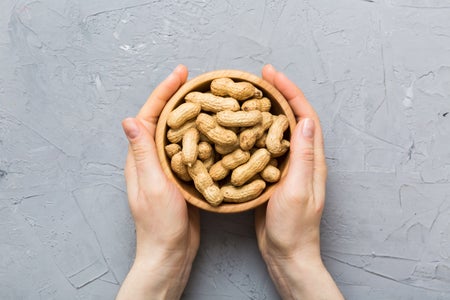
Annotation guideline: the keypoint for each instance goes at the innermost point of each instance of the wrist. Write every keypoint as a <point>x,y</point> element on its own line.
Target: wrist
<point>169,271</point>
<point>284,254</point>
<point>302,277</point>
<point>159,276</point>
<point>169,266</point>
<point>294,269</point>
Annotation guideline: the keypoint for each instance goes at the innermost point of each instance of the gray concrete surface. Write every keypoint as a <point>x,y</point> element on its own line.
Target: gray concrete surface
<point>377,71</point>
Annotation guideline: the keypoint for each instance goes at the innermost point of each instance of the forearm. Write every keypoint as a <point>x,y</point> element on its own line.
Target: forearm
<point>302,279</point>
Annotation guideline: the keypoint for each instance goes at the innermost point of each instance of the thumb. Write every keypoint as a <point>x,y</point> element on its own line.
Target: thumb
<point>301,161</point>
<point>143,150</point>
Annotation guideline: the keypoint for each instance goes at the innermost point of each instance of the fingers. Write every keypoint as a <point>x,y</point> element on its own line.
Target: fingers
<point>142,153</point>
<point>290,91</point>
<point>162,93</point>
<point>268,73</point>
<point>300,178</point>
<point>302,109</point>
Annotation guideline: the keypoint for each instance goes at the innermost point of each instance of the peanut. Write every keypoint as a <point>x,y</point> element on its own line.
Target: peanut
<point>261,142</point>
<point>176,135</point>
<point>229,162</point>
<point>237,90</point>
<point>205,150</point>
<point>179,167</point>
<point>257,176</point>
<point>226,142</point>
<point>172,149</point>
<point>262,104</point>
<point>183,113</point>
<point>209,162</point>
<point>224,150</point>
<point>255,164</point>
<point>212,103</point>
<point>274,141</point>
<point>203,138</point>
<point>239,118</point>
<point>248,137</point>
<point>204,183</point>
<point>270,174</point>
<point>244,193</point>
<point>235,159</point>
<point>213,131</point>
<point>189,150</point>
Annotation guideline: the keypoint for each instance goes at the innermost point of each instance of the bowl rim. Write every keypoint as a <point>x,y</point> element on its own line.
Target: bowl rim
<point>268,90</point>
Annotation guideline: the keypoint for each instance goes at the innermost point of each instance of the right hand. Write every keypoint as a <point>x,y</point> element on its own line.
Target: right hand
<point>288,227</point>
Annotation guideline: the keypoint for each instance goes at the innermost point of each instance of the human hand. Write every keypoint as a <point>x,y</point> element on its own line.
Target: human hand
<point>288,227</point>
<point>167,229</point>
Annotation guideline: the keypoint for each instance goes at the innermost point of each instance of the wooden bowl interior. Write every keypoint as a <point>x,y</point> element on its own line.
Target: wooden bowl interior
<point>201,84</point>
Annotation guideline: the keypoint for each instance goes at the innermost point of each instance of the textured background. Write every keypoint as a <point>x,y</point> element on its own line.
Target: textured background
<point>377,71</point>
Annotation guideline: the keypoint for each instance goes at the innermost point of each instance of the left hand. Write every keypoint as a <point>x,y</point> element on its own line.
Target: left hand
<point>167,228</point>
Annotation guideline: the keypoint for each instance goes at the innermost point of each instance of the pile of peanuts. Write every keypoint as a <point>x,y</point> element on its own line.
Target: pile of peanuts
<point>229,150</point>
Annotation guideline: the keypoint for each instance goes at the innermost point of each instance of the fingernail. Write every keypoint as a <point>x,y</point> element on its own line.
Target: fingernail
<point>308,128</point>
<point>131,128</point>
<point>174,72</point>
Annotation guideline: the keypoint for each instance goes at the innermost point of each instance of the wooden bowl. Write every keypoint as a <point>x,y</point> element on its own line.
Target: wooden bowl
<point>201,84</point>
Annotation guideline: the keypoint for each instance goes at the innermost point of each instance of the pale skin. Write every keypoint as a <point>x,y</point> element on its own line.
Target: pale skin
<point>168,229</point>
<point>288,228</point>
